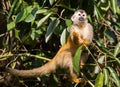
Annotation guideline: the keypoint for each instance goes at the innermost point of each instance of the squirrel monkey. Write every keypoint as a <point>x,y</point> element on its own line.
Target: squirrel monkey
<point>81,32</point>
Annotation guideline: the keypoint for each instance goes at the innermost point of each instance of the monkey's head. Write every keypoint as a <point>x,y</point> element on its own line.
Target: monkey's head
<point>79,16</point>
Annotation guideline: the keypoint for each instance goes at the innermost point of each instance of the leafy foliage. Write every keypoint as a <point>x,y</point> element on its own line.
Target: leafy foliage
<point>31,30</point>
<point>76,60</point>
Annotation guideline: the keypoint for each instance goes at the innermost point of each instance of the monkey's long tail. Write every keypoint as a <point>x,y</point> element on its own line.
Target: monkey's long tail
<point>45,69</point>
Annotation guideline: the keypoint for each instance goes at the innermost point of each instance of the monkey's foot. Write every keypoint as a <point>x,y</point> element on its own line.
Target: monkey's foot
<point>79,80</point>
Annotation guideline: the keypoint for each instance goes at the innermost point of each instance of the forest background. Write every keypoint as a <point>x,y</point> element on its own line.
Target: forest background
<point>32,31</point>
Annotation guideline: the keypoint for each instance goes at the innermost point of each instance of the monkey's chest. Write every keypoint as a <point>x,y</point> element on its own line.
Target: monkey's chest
<point>83,32</point>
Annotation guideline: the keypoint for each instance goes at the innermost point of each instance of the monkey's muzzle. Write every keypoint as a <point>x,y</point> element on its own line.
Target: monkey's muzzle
<point>81,19</point>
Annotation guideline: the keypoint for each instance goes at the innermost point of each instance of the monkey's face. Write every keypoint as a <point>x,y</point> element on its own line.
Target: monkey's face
<point>79,16</point>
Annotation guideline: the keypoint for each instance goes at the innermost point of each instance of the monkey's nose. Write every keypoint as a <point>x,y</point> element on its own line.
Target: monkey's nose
<point>81,19</point>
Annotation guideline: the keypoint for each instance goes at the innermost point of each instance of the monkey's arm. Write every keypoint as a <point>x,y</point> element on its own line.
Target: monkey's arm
<point>79,40</point>
<point>76,39</point>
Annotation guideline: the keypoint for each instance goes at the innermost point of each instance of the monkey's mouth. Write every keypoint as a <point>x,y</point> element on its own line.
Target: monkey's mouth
<point>81,19</point>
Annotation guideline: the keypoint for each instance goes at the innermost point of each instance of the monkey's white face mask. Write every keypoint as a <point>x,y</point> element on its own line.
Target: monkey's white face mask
<point>79,17</point>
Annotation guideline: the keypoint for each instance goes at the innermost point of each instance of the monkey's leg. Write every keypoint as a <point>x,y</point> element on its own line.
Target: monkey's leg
<point>74,77</point>
<point>83,59</point>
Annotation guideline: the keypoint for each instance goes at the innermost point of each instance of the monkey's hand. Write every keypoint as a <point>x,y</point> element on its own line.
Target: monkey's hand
<point>79,40</point>
<point>76,39</point>
<point>85,41</point>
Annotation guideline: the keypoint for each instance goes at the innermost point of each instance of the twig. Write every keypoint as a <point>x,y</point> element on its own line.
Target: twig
<point>87,80</point>
<point>93,57</point>
<point>8,55</point>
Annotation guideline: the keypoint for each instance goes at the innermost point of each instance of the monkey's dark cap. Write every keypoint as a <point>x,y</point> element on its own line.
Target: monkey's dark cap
<point>81,11</point>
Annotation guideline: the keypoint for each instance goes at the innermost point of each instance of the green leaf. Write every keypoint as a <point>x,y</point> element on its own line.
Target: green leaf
<point>43,20</point>
<point>10,25</point>
<point>117,49</point>
<point>55,78</point>
<point>118,9</point>
<point>16,33</point>
<point>33,33</point>
<point>109,84</point>
<point>51,2</point>
<point>105,5</point>
<point>68,22</point>
<point>97,13</point>
<point>17,6</point>
<point>76,60</point>
<point>106,76</point>
<point>38,32</point>
<point>41,11</point>
<point>28,14</point>
<point>118,60</point>
<point>29,9</point>
<point>12,9</point>
<point>53,24</point>
<point>114,6</point>
<point>63,37</point>
<point>21,16</point>
<point>32,15</point>
<point>110,35</point>
<point>114,75</point>
<point>99,80</point>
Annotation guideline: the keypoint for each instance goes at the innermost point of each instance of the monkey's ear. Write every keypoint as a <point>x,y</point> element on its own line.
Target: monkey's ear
<point>72,18</point>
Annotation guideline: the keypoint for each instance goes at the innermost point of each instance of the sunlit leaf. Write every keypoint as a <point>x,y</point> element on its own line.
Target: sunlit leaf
<point>40,11</point>
<point>21,16</point>
<point>106,76</point>
<point>76,60</point>
<point>38,32</point>
<point>109,84</point>
<point>53,24</point>
<point>118,9</point>
<point>99,80</point>
<point>33,33</point>
<point>63,37</point>
<point>104,5</point>
<point>98,13</point>
<point>55,78</point>
<point>16,33</point>
<point>50,30</point>
<point>43,20</point>
<point>68,22</point>
<point>51,2</point>
<point>115,76</point>
<point>117,49</point>
<point>118,60</point>
<point>32,15</point>
<point>29,9</point>
<point>114,6</point>
<point>10,25</point>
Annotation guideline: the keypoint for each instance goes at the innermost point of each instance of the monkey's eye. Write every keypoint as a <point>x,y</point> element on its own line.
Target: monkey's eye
<point>83,15</point>
<point>79,14</point>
